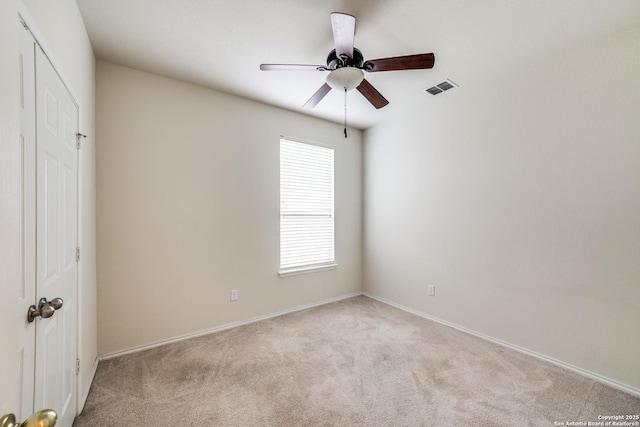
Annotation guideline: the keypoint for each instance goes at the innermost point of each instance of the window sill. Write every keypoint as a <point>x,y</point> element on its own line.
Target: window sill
<point>304,270</point>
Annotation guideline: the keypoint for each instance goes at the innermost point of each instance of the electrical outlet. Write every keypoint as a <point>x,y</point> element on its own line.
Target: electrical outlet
<point>431,290</point>
<point>234,295</point>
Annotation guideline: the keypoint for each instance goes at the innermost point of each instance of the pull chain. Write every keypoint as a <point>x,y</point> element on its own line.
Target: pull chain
<point>345,112</point>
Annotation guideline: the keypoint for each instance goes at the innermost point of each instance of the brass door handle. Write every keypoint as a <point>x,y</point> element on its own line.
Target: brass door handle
<point>44,418</point>
<point>45,309</point>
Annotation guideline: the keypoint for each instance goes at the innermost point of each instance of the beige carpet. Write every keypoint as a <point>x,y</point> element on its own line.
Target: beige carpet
<point>356,362</point>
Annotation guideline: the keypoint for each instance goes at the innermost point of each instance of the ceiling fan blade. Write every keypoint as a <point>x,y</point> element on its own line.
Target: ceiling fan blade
<point>292,67</point>
<point>409,62</point>
<point>344,30</point>
<point>317,97</point>
<point>371,93</point>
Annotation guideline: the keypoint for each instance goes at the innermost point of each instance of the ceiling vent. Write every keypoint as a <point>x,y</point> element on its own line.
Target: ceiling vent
<point>441,87</point>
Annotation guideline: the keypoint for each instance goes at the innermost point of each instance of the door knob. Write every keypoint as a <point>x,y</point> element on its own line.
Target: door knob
<point>45,309</point>
<point>56,303</point>
<point>44,418</point>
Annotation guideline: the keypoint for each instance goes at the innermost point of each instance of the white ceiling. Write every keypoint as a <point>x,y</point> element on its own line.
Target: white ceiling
<point>220,43</point>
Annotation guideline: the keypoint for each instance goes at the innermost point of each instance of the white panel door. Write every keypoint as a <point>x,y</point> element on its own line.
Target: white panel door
<point>56,240</point>
<point>26,348</point>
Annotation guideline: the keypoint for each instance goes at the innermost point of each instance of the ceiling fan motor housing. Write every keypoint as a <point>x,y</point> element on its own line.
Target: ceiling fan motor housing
<point>334,62</point>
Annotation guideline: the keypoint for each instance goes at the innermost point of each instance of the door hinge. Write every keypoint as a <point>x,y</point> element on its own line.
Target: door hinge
<point>77,366</point>
<point>79,137</point>
<point>78,254</point>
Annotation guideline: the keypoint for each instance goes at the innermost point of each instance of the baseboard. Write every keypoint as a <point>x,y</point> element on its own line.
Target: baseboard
<point>592,375</point>
<point>223,327</point>
<point>82,399</point>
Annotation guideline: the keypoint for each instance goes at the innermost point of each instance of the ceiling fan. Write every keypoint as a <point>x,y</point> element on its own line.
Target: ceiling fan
<point>345,64</point>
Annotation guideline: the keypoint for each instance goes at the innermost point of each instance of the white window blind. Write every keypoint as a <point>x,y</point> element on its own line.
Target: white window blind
<point>306,205</point>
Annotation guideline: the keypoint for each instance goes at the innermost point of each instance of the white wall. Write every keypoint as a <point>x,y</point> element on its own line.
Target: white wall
<point>9,206</point>
<point>520,201</point>
<point>64,34</point>
<point>188,209</point>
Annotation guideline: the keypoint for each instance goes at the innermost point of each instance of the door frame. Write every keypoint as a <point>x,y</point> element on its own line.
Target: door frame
<point>25,17</point>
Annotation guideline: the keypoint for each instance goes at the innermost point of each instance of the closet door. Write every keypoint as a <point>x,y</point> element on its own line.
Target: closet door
<point>27,296</point>
<point>56,242</point>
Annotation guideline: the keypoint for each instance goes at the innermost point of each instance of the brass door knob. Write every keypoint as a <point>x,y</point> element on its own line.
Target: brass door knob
<point>44,418</point>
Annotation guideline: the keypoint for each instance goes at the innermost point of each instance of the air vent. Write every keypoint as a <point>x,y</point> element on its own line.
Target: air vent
<point>441,87</point>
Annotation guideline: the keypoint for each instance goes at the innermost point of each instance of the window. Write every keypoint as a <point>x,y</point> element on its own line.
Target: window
<point>306,207</point>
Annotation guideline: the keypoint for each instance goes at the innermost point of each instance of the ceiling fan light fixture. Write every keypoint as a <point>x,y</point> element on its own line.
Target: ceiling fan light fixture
<point>347,78</point>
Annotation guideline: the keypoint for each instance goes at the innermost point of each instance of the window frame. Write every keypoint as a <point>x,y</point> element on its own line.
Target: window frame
<point>318,265</point>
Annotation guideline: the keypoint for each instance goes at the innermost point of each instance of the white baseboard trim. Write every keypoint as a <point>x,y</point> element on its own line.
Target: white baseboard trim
<point>223,327</point>
<point>592,375</point>
<point>87,386</point>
